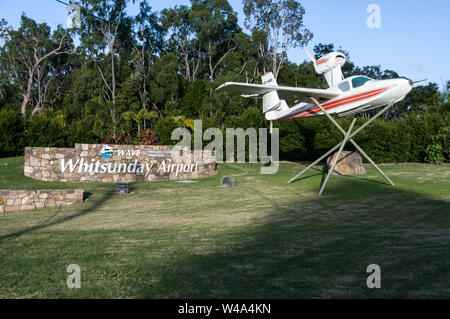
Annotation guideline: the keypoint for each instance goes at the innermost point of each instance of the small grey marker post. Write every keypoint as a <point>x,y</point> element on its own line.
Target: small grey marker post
<point>123,188</point>
<point>227,181</point>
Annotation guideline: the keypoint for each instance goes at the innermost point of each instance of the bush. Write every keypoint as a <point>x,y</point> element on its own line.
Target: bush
<point>48,129</point>
<point>12,137</point>
<point>385,141</point>
<point>193,98</point>
<point>147,137</point>
<point>163,129</point>
<point>121,137</point>
<point>434,154</point>
<point>250,117</point>
<point>81,132</point>
<point>438,152</point>
<point>292,142</point>
<point>417,137</point>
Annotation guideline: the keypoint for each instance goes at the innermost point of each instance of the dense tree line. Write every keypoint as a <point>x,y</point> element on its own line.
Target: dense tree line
<point>133,79</point>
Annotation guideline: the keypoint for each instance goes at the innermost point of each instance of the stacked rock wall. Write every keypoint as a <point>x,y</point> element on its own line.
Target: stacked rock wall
<point>130,163</point>
<point>25,199</point>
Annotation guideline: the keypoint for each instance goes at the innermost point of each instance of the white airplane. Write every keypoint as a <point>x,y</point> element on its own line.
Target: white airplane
<point>343,97</point>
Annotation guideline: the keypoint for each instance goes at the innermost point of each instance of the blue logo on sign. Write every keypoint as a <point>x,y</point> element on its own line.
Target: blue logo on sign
<point>107,151</point>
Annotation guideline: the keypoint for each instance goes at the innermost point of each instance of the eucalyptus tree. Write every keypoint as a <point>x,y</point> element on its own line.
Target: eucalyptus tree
<point>104,32</point>
<point>3,28</point>
<point>148,42</point>
<point>164,87</point>
<point>4,78</point>
<point>181,35</point>
<point>215,24</point>
<point>282,20</point>
<point>248,55</point>
<point>30,53</point>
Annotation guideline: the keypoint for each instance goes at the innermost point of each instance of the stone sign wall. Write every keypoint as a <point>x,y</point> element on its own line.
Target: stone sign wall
<point>25,199</point>
<point>117,163</point>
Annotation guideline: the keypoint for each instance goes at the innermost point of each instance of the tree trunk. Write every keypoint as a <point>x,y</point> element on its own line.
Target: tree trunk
<point>27,96</point>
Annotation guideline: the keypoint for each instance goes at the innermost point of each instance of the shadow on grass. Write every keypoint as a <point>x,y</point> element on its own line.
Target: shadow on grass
<point>324,171</point>
<point>48,222</point>
<point>365,179</point>
<point>86,195</point>
<point>320,170</point>
<point>316,250</point>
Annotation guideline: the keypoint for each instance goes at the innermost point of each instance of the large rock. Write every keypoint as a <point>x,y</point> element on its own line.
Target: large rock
<point>349,163</point>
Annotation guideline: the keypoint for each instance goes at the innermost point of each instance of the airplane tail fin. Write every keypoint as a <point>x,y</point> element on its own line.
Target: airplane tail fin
<point>271,100</point>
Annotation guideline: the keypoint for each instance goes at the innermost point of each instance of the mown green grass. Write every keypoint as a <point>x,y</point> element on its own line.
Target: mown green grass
<point>262,239</point>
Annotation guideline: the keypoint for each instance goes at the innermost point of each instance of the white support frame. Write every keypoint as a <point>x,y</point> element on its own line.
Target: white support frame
<point>348,136</point>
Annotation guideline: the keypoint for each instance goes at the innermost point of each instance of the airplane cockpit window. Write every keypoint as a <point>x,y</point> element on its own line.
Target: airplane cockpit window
<point>360,81</point>
<point>344,86</point>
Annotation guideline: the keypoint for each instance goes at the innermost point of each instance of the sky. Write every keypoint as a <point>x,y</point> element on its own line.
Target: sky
<point>413,38</point>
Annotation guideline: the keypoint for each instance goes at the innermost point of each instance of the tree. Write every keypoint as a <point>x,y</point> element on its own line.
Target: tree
<point>215,24</point>
<point>322,49</point>
<point>282,20</point>
<point>139,117</point>
<point>104,25</point>
<point>3,28</point>
<point>149,41</point>
<point>3,69</point>
<point>248,54</point>
<point>11,132</point>
<point>176,21</point>
<point>28,52</point>
<point>164,83</point>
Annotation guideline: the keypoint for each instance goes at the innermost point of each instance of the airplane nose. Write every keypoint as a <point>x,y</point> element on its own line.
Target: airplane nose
<point>410,85</point>
<point>406,85</point>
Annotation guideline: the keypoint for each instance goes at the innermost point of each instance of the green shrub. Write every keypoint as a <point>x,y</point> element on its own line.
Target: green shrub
<point>438,152</point>
<point>81,132</point>
<point>193,98</point>
<point>49,129</point>
<point>292,143</point>
<point>163,129</point>
<point>12,137</point>
<point>121,137</point>
<point>434,154</point>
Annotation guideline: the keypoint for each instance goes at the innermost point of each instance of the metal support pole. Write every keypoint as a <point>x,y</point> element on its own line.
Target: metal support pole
<point>351,140</point>
<point>347,134</point>
<point>359,149</point>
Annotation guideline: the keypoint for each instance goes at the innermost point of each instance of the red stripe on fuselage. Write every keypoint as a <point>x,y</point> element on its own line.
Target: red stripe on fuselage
<point>340,102</point>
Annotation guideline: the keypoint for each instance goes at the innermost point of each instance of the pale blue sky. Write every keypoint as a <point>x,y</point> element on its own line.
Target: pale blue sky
<point>413,39</point>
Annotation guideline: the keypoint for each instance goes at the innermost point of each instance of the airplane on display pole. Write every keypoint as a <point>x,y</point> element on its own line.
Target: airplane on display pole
<point>345,96</point>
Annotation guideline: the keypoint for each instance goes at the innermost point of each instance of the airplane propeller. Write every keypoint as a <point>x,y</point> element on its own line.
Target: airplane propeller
<point>411,82</point>
<point>310,56</point>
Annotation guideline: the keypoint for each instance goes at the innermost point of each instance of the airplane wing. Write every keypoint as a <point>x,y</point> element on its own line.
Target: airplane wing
<point>284,92</point>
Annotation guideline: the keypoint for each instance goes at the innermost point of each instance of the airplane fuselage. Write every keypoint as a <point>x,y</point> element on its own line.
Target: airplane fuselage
<point>356,94</point>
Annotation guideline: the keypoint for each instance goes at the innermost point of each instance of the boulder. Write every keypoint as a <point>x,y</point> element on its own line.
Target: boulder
<point>349,163</point>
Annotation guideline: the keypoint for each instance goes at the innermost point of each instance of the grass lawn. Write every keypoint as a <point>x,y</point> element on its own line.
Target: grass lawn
<point>262,239</point>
